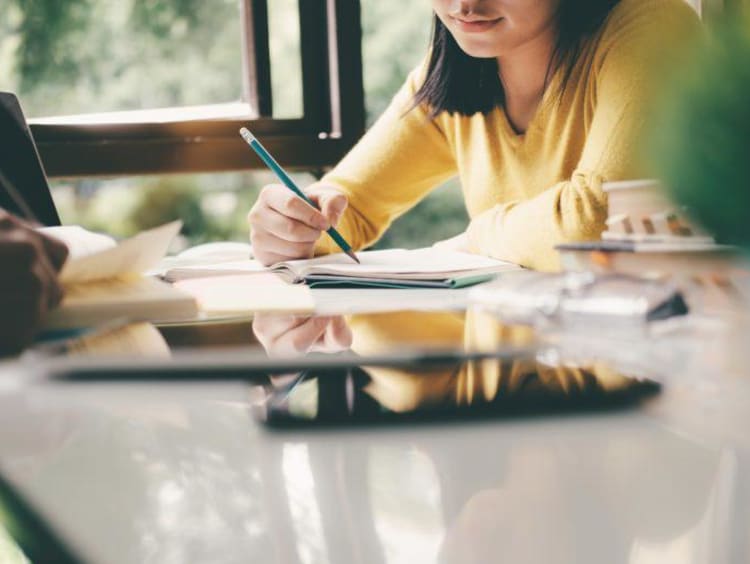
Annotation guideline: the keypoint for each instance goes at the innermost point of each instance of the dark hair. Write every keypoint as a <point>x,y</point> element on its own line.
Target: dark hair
<point>459,83</point>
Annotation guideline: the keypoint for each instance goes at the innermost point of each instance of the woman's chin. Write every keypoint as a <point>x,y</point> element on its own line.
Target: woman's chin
<point>479,50</point>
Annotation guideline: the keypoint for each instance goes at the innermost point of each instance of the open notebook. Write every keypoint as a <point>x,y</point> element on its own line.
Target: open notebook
<point>103,281</point>
<point>395,268</point>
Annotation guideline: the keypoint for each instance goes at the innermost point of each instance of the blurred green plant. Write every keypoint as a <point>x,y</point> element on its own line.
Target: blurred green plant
<point>78,56</point>
<point>82,56</point>
<point>168,199</point>
<point>439,216</point>
<point>701,146</point>
<point>395,38</point>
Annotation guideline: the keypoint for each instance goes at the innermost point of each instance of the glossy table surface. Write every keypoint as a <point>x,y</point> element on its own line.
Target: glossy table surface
<point>172,473</point>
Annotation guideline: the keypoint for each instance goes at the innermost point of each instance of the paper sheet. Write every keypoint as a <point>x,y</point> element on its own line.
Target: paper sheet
<point>399,261</point>
<point>129,258</point>
<point>203,270</point>
<point>80,241</point>
<point>252,293</point>
<point>418,264</point>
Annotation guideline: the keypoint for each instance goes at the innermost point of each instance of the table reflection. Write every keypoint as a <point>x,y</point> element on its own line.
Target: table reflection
<point>564,492</point>
<point>540,376</point>
<point>117,339</point>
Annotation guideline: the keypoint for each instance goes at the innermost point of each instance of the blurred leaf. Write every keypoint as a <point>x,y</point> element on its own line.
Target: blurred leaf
<point>701,146</point>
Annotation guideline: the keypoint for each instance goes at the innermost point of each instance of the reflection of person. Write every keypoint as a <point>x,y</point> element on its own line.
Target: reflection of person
<point>29,265</point>
<point>287,336</point>
<point>404,388</point>
<point>476,383</point>
<point>598,495</point>
<point>533,103</point>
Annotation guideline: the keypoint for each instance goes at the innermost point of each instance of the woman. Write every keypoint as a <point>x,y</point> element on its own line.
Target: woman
<point>533,103</point>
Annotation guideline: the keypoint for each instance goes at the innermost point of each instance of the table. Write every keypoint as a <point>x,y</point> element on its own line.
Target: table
<point>181,473</point>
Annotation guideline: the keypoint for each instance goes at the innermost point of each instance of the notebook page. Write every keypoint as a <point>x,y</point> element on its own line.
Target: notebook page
<point>80,241</point>
<point>244,266</point>
<point>396,261</point>
<point>130,257</point>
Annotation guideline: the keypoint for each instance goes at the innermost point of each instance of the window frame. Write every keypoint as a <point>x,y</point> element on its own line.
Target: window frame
<point>333,111</point>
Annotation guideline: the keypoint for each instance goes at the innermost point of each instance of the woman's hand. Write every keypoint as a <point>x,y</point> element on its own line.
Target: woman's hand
<point>285,227</point>
<point>29,265</point>
<point>295,336</point>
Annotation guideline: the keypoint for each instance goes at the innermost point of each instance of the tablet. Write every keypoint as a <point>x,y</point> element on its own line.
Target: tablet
<point>463,390</point>
<point>387,367</point>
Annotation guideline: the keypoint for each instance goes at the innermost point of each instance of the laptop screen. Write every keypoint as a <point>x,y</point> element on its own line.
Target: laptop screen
<point>21,165</point>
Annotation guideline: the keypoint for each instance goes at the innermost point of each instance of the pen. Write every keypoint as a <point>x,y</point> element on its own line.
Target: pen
<point>271,163</point>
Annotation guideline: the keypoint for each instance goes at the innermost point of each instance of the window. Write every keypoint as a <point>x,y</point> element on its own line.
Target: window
<point>213,64</point>
<point>286,68</point>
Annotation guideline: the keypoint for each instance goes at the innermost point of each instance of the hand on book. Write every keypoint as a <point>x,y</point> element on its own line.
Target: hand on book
<point>29,266</point>
<point>285,227</point>
<point>296,336</point>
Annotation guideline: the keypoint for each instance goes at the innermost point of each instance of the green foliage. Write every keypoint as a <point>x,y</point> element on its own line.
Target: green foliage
<point>395,38</point>
<point>439,216</point>
<point>49,52</point>
<point>167,199</point>
<point>161,199</point>
<point>82,56</point>
<point>702,144</point>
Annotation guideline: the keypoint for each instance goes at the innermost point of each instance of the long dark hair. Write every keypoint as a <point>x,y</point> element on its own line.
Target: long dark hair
<point>458,83</point>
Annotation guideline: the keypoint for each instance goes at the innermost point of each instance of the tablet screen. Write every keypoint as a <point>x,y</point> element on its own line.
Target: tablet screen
<point>471,366</point>
<point>473,389</point>
<point>372,368</point>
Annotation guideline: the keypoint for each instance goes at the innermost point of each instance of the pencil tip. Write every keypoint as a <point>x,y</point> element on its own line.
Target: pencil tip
<point>353,256</point>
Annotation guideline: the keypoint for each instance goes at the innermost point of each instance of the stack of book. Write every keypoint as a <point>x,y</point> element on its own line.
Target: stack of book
<point>649,236</point>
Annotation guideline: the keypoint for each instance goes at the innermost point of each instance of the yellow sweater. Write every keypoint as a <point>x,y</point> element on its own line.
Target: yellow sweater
<point>524,193</point>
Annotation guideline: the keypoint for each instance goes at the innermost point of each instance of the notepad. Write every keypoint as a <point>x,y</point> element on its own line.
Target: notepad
<point>395,268</point>
<point>103,281</point>
<point>213,269</point>
<point>248,294</point>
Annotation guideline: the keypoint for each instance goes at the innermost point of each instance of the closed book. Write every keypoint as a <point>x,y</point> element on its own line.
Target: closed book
<point>640,210</point>
<point>649,259</point>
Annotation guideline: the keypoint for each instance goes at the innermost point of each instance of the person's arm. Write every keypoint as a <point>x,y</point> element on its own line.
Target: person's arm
<point>29,265</point>
<point>397,163</point>
<point>628,71</point>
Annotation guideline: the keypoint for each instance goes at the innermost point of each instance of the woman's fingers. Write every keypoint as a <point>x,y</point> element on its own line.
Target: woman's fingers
<point>267,247</point>
<point>267,328</point>
<point>285,336</point>
<point>302,338</point>
<point>283,226</point>
<point>286,228</point>
<point>331,202</point>
<point>289,205</point>
<point>337,337</point>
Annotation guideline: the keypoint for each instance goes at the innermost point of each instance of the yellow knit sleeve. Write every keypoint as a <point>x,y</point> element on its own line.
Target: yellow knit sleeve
<point>399,160</point>
<point>637,49</point>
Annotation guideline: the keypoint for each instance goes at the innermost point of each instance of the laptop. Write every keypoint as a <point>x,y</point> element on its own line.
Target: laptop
<point>20,162</point>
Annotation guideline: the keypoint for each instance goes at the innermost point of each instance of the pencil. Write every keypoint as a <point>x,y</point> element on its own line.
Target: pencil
<point>271,163</point>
